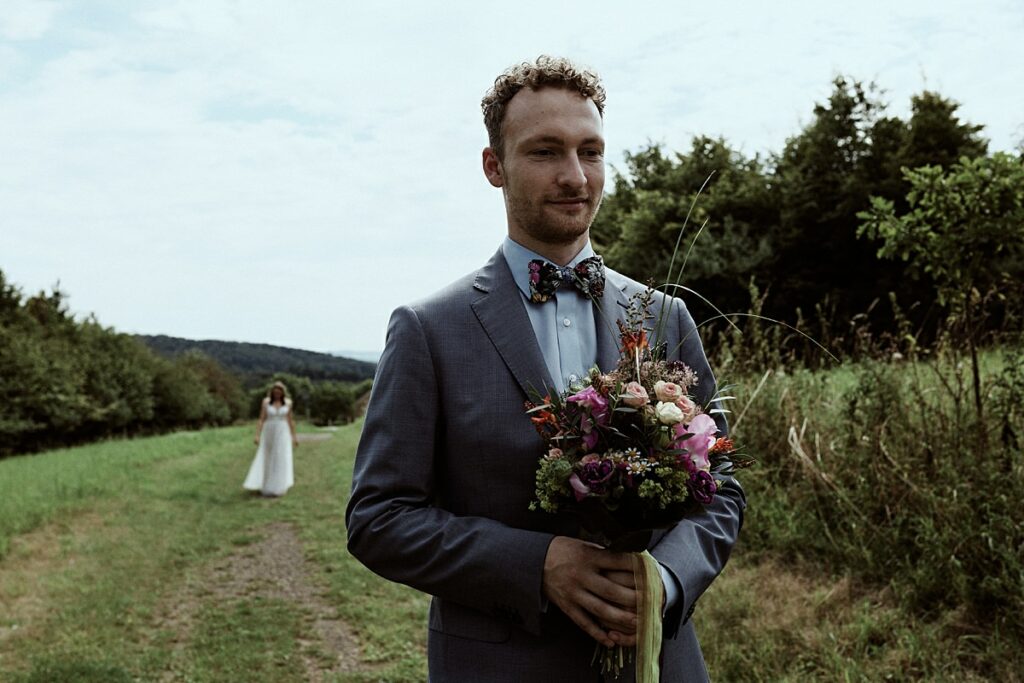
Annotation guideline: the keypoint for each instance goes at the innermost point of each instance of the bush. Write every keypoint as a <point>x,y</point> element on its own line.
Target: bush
<point>875,469</point>
<point>66,381</point>
<point>332,403</point>
<point>323,403</point>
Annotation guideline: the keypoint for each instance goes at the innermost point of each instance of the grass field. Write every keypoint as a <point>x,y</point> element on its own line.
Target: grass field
<point>144,560</point>
<point>122,562</point>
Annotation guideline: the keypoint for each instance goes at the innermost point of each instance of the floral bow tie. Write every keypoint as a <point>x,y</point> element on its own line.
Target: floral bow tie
<point>545,278</point>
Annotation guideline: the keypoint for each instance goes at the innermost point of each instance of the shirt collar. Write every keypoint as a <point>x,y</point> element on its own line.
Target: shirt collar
<point>518,259</point>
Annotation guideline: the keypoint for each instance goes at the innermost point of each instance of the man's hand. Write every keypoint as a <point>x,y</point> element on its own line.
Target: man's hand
<point>627,579</point>
<point>587,583</point>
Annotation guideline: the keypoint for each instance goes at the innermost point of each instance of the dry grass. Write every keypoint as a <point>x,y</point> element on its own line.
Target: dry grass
<point>771,621</point>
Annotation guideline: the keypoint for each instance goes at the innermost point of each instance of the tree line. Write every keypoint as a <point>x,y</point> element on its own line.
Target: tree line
<point>254,362</point>
<point>68,381</point>
<point>858,208</point>
<point>811,228</point>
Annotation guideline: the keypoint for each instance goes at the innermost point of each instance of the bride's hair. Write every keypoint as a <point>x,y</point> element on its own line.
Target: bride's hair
<point>282,387</point>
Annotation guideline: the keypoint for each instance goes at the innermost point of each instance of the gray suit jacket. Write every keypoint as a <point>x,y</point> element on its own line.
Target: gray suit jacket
<point>444,475</point>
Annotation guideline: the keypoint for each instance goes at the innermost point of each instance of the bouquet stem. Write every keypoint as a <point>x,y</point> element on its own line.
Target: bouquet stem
<point>650,596</point>
<point>612,659</point>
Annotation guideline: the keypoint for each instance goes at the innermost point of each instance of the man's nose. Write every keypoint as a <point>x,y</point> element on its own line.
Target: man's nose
<point>571,174</point>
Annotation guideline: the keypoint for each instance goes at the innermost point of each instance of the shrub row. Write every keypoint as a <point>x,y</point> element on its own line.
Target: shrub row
<point>68,381</point>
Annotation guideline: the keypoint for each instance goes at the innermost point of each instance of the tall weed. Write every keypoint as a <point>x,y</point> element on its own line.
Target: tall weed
<point>883,468</point>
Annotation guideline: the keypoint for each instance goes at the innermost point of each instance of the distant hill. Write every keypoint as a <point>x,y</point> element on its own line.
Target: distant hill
<point>256,361</point>
<point>368,356</point>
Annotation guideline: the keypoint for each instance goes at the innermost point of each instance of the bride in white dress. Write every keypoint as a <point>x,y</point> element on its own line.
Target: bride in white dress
<point>271,470</point>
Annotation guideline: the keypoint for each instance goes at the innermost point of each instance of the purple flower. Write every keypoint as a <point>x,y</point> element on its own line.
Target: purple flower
<point>593,477</point>
<point>580,489</point>
<point>702,436</point>
<point>702,485</point>
<point>597,404</point>
<point>534,272</point>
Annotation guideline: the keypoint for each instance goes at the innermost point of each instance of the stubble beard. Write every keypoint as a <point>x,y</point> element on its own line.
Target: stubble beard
<point>539,220</point>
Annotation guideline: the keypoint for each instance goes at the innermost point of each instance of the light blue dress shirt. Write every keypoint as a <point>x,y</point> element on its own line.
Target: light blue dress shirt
<point>567,334</point>
<point>564,326</point>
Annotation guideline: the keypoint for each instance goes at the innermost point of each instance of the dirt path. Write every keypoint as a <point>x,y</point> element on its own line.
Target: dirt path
<point>273,567</point>
<point>318,436</point>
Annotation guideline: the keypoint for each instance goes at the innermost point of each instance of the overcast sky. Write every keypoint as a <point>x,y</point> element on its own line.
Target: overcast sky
<point>289,172</point>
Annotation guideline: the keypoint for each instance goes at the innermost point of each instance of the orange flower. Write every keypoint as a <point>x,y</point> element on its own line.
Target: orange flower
<point>543,417</point>
<point>632,339</point>
<point>723,445</point>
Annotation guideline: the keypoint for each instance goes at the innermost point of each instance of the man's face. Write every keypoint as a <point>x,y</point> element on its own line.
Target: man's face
<point>552,172</point>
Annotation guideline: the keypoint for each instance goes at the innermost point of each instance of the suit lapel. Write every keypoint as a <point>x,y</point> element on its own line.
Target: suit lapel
<point>502,313</point>
<point>607,310</point>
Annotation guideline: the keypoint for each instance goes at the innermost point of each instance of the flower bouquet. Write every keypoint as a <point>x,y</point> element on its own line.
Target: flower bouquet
<point>629,452</point>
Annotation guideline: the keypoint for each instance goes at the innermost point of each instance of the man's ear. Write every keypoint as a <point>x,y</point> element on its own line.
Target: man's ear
<point>492,168</point>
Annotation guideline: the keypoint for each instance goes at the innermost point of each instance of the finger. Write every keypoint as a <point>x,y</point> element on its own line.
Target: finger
<point>623,639</point>
<point>626,579</point>
<point>612,592</point>
<point>611,628</point>
<point>609,561</point>
<point>614,616</point>
<point>589,626</point>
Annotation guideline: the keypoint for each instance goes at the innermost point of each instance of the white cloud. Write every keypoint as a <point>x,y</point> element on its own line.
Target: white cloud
<point>289,172</point>
<point>26,19</point>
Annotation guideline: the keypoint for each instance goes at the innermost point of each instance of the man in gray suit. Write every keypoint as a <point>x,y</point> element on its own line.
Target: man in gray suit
<point>445,469</point>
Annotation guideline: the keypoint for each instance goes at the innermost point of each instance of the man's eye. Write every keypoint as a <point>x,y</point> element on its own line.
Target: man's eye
<point>593,153</point>
<point>542,152</point>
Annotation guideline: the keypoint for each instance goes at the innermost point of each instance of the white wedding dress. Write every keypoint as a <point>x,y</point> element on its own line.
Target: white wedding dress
<point>271,470</point>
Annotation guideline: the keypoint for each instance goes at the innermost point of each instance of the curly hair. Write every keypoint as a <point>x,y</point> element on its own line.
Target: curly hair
<point>557,72</point>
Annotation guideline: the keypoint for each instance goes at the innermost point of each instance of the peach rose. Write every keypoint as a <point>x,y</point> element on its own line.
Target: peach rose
<point>635,396</point>
<point>669,392</point>
<point>689,408</point>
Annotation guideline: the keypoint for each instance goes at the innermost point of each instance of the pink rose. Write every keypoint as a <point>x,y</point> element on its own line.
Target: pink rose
<point>634,395</point>
<point>554,454</point>
<point>589,458</point>
<point>689,408</point>
<point>669,392</point>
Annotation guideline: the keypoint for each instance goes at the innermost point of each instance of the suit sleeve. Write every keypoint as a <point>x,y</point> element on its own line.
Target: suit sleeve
<point>696,549</point>
<point>395,529</point>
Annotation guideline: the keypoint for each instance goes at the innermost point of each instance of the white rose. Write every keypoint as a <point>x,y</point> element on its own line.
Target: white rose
<point>668,413</point>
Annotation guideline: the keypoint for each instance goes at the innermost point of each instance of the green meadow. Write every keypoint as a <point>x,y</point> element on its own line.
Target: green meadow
<point>883,541</point>
<point>122,561</point>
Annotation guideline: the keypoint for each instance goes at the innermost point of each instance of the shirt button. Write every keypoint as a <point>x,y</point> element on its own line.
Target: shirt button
<point>566,322</point>
<point>573,379</point>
